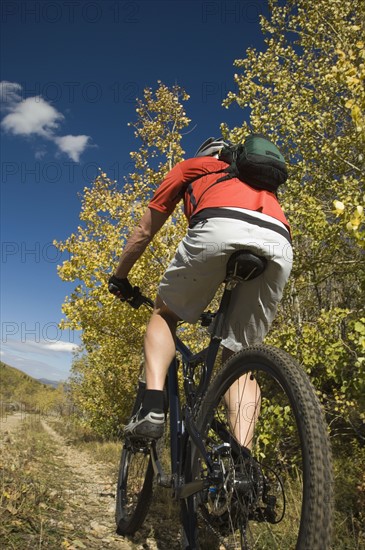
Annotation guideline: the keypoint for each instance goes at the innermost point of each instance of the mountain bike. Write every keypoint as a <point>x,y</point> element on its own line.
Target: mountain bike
<point>250,475</point>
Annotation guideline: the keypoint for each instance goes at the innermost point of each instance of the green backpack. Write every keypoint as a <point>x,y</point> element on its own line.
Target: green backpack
<point>257,162</point>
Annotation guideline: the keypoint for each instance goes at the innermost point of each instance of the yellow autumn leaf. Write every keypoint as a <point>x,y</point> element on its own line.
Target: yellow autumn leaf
<point>339,206</point>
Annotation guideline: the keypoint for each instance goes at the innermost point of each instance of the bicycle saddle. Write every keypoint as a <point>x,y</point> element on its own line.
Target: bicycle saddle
<point>244,265</point>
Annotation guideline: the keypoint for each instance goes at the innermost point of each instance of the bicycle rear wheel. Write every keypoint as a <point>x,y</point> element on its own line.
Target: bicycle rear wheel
<point>279,496</point>
<point>134,487</point>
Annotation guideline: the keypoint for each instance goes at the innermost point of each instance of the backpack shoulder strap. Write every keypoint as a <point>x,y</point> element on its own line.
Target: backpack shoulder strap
<point>229,174</point>
<point>188,186</point>
<point>229,155</point>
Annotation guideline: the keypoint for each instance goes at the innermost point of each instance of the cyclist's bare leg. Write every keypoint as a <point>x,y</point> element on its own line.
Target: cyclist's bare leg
<point>159,345</point>
<point>243,401</point>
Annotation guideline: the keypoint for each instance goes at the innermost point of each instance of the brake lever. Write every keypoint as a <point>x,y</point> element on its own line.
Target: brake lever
<point>136,301</point>
<point>139,300</point>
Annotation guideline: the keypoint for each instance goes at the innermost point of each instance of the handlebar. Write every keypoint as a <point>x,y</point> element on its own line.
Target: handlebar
<point>139,299</point>
<point>136,300</point>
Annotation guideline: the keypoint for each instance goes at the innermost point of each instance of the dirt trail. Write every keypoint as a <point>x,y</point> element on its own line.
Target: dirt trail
<point>88,493</point>
<point>91,504</point>
<point>8,422</point>
<point>90,498</point>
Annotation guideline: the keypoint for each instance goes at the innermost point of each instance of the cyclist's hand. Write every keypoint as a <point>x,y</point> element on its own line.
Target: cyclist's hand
<point>122,288</point>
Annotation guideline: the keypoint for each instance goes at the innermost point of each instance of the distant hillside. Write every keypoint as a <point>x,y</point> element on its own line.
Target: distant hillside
<point>17,386</point>
<point>53,383</point>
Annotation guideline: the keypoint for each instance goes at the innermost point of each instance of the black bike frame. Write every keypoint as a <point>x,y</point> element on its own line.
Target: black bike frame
<point>181,422</point>
<point>183,431</point>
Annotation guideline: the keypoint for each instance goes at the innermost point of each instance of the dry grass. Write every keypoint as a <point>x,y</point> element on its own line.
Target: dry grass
<point>31,487</point>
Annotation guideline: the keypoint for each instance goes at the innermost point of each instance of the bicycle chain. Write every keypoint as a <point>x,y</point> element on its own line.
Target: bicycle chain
<point>260,483</point>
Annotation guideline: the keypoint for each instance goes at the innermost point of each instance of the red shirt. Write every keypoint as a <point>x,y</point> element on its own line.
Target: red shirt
<point>231,193</point>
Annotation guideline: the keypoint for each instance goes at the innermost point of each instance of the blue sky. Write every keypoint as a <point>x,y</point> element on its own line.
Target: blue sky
<point>71,72</point>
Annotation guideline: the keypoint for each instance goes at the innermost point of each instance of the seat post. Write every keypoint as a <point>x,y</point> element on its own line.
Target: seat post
<point>242,266</point>
<point>217,328</point>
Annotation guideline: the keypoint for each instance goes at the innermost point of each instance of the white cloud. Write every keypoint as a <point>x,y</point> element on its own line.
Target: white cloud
<point>43,347</point>
<point>36,117</point>
<point>9,94</point>
<point>73,146</point>
<point>33,116</point>
<point>63,347</point>
<point>40,153</point>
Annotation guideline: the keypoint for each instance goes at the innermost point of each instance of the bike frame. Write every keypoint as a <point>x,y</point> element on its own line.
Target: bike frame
<point>183,431</point>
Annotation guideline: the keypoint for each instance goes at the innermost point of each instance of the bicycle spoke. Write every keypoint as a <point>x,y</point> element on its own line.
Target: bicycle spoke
<point>266,440</point>
<point>134,488</point>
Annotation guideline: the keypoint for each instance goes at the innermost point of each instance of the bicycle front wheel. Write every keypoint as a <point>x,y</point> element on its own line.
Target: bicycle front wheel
<point>272,484</point>
<point>134,488</point>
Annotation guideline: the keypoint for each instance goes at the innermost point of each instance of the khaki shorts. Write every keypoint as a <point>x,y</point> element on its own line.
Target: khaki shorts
<point>199,267</point>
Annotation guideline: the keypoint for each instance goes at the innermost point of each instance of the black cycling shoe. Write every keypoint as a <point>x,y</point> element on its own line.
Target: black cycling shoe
<point>148,425</point>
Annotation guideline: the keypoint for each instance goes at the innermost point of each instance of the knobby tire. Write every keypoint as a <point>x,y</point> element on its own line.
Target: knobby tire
<point>134,489</point>
<point>291,468</point>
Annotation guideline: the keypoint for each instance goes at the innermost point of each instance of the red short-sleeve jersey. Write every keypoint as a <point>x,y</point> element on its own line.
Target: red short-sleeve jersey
<point>230,193</point>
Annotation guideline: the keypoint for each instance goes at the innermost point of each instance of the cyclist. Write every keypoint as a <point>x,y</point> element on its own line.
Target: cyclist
<point>223,217</point>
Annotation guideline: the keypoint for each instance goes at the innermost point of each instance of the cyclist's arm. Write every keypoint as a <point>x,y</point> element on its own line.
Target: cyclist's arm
<point>160,208</point>
<point>142,235</point>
